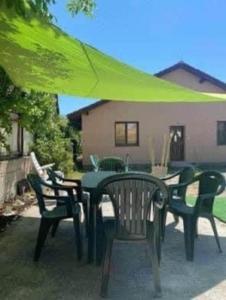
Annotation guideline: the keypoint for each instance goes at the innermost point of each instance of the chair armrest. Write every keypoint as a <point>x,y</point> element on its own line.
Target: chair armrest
<point>47,166</point>
<point>69,188</point>
<point>170,176</point>
<point>58,188</point>
<point>76,181</point>
<point>179,185</point>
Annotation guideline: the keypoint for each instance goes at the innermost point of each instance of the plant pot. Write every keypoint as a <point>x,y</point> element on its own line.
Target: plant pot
<point>159,171</point>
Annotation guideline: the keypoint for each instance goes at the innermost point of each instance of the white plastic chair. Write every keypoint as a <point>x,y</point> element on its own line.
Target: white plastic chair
<point>41,170</point>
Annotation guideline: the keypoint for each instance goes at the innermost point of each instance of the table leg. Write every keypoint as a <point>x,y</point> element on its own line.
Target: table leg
<point>95,233</point>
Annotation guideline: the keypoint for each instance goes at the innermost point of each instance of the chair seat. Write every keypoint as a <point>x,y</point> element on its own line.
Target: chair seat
<point>61,212</point>
<point>85,195</point>
<point>179,207</point>
<point>111,232</point>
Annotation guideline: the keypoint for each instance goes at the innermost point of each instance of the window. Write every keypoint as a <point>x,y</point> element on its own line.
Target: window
<point>126,133</point>
<point>221,133</point>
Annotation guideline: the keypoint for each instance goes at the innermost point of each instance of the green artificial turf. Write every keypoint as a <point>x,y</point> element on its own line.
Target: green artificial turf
<point>219,209</point>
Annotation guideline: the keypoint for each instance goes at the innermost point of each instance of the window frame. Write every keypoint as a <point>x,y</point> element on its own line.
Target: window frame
<point>126,134</point>
<point>218,137</point>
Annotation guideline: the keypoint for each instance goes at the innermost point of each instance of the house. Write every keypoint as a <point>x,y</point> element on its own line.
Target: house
<point>14,163</point>
<point>118,128</point>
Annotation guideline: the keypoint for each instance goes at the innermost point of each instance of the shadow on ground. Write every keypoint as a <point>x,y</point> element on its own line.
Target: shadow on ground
<point>58,275</point>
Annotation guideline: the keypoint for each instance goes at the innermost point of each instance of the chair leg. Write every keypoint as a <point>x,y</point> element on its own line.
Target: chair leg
<point>157,231</point>
<point>196,229</point>
<point>86,215</point>
<point>100,237</point>
<point>163,222</point>
<point>189,236</point>
<point>106,268</point>
<point>152,238</point>
<point>212,221</point>
<point>155,266</point>
<point>78,239</point>
<point>42,234</point>
<point>54,228</point>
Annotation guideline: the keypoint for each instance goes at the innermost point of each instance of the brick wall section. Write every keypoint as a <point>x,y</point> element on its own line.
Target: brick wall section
<point>12,171</point>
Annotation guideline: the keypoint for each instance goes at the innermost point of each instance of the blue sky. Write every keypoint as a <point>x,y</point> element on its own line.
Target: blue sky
<point>151,35</point>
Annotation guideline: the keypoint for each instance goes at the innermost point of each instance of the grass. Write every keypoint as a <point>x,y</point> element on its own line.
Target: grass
<point>219,209</point>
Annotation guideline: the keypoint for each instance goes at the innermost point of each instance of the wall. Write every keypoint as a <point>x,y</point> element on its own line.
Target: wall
<point>154,119</point>
<point>12,171</point>
<point>200,121</point>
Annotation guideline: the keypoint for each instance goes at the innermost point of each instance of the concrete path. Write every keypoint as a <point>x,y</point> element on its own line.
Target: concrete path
<point>59,276</point>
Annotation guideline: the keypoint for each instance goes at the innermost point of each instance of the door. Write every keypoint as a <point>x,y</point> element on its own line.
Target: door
<point>177,143</point>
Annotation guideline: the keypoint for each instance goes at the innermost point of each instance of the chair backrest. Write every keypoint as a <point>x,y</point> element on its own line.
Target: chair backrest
<point>36,184</point>
<point>136,199</point>
<point>187,175</point>
<point>36,164</point>
<point>211,184</point>
<point>112,164</point>
<point>94,161</point>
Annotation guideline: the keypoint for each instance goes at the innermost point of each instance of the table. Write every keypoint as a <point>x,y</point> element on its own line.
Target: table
<point>89,183</point>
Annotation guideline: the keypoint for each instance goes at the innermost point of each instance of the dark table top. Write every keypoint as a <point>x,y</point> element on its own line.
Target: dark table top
<point>91,179</point>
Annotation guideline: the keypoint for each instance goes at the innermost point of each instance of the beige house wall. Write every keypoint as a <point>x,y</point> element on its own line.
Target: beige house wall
<point>200,121</point>
<point>191,81</point>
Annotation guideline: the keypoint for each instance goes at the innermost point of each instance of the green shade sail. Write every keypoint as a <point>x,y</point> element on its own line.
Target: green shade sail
<point>39,56</point>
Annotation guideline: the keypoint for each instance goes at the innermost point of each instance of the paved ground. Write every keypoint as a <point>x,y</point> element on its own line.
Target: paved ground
<point>59,276</point>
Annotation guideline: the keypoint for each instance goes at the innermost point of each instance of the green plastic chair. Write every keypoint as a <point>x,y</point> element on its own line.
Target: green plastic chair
<point>64,209</point>
<point>177,192</point>
<point>137,201</point>
<point>211,184</point>
<point>75,184</point>
<point>112,164</point>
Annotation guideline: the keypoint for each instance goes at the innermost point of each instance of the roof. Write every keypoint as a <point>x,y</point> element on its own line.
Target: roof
<point>203,76</point>
<point>180,65</point>
<point>77,114</point>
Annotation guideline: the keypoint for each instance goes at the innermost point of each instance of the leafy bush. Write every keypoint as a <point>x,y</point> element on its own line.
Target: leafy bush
<point>54,147</point>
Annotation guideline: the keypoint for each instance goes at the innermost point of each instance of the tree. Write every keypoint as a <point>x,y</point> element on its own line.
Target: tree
<point>85,6</point>
<point>37,111</point>
<point>25,7</point>
<point>38,115</point>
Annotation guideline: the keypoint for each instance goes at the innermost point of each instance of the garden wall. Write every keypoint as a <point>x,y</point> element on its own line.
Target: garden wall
<point>12,171</point>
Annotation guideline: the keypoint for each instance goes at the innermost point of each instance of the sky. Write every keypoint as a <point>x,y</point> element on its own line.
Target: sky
<point>151,35</point>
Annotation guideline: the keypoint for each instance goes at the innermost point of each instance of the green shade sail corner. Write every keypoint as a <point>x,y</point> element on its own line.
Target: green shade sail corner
<point>39,56</point>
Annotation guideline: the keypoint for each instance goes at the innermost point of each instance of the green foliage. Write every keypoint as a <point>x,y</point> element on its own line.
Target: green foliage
<point>27,7</point>
<point>85,6</point>
<point>38,115</point>
<point>52,145</point>
<point>36,110</point>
